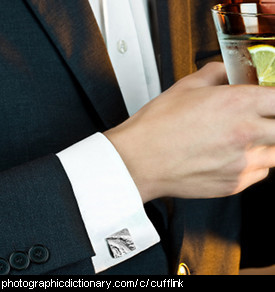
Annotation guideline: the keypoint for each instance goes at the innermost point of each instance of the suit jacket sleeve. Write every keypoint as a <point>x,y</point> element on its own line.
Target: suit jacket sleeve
<point>38,207</point>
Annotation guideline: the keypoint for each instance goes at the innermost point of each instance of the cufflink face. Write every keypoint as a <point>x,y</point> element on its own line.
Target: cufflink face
<point>120,243</point>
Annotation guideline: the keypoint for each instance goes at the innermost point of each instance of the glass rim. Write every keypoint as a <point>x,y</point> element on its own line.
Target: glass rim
<point>218,8</point>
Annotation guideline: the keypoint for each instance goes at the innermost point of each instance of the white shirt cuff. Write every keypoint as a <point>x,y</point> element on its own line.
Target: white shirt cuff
<point>108,199</point>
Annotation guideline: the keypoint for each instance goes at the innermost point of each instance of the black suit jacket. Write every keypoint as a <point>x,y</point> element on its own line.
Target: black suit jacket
<point>57,87</point>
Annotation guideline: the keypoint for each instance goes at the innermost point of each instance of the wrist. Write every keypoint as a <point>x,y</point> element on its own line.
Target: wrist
<point>129,146</point>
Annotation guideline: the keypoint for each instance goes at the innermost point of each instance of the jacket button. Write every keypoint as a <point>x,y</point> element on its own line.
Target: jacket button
<point>19,260</point>
<point>4,267</point>
<point>183,270</point>
<point>38,254</point>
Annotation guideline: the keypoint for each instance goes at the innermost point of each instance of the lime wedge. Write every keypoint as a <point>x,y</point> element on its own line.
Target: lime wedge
<point>263,58</point>
<point>259,38</point>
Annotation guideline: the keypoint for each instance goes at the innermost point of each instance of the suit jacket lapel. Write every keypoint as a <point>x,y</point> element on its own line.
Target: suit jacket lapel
<point>74,31</point>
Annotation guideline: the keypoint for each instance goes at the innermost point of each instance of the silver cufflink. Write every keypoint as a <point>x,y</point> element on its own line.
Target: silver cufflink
<point>120,243</point>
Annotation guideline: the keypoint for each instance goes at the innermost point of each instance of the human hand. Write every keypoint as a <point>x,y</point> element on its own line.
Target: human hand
<point>200,139</point>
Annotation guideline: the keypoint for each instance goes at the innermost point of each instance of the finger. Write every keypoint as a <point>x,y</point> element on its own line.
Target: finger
<point>265,135</point>
<point>269,157</point>
<point>248,179</point>
<point>261,158</point>
<point>265,100</point>
<point>211,74</point>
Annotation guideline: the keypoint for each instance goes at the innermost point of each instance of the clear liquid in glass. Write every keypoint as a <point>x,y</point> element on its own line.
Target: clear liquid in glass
<point>237,59</point>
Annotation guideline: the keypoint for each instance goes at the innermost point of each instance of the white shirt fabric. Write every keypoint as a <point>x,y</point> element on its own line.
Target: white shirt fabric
<point>125,27</point>
<point>106,195</point>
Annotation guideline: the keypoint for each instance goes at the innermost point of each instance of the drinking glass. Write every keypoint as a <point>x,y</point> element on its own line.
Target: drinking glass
<point>246,34</point>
